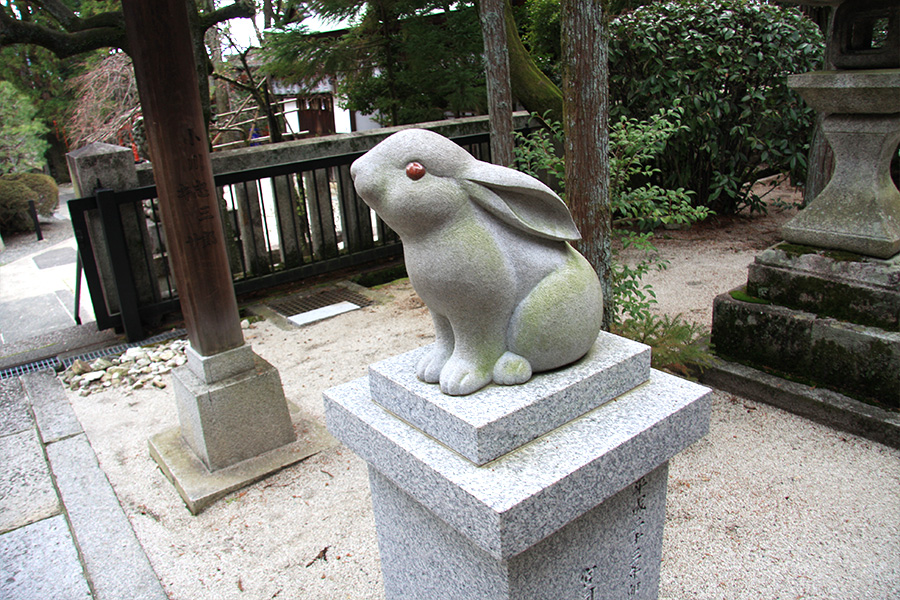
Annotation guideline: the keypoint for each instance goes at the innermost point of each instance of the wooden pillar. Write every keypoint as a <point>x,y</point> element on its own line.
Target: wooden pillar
<point>159,39</point>
<point>496,55</point>
<point>586,110</point>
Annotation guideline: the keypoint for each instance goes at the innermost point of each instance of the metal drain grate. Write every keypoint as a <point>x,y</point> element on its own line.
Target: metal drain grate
<point>41,365</point>
<point>305,302</point>
<point>60,364</point>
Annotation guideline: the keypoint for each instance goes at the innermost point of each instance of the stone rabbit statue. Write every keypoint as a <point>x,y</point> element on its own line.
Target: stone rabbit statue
<point>487,250</point>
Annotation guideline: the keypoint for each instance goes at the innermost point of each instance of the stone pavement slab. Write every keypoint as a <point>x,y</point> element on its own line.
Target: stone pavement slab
<point>14,416</point>
<point>25,318</point>
<point>56,257</point>
<point>40,562</point>
<point>54,415</point>
<point>26,489</point>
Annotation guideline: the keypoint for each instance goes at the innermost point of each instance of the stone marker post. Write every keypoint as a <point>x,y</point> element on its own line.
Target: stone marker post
<point>235,423</point>
<point>552,489</point>
<point>105,166</point>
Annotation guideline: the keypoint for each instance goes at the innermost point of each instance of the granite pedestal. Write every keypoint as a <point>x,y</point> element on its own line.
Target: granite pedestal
<point>235,427</point>
<point>551,489</point>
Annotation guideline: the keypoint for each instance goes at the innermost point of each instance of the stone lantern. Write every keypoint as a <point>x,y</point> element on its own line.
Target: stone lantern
<point>859,210</point>
<point>824,306</point>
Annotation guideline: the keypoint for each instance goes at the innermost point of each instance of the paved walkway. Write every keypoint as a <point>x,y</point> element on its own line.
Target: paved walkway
<point>63,534</point>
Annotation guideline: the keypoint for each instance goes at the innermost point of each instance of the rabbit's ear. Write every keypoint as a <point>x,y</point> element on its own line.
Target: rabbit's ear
<point>519,200</point>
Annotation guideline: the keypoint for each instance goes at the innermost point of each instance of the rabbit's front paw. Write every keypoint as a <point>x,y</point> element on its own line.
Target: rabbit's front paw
<point>460,377</point>
<point>429,366</point>
<point>511,369</point>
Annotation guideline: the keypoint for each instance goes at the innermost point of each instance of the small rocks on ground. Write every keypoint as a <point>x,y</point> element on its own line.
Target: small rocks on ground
<point>136,368</point>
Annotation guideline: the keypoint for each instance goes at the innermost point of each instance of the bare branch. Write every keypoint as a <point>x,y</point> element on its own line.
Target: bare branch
<point>243,86</point>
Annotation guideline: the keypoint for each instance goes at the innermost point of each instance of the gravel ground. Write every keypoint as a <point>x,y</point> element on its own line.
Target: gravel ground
<point>766,506</point>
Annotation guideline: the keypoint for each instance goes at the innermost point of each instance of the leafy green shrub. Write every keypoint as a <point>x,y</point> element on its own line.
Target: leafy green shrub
<point>14,197</point>
<point>43,185</point>
<point>725,63</point>
<point>677,344</point>
<point>22,146</point>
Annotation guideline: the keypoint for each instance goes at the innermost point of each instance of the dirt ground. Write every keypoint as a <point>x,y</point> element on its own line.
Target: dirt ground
<point>711,257</point>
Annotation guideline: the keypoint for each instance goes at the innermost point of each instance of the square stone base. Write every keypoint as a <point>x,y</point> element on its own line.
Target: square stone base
<point>575,513</point>
<point>826,318</point>
<point>232,419</point>
<point>199,487</point>
<point>612,551</point>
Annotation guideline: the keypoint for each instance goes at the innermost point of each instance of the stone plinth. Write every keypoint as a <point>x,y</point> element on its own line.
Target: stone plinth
<point>500,421</point>
<point>827,318</point>
<point>859,209</point>
<point>575,511</point>
<point>236,427</point>
<point>843,286</point>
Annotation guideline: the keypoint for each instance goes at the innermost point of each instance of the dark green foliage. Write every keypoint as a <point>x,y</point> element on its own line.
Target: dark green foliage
<point>22,146</point>
<point>541,31</point>
<point>14,197</point>
<point>42,76</point>
<point>43,185</point>
<point>725,62</point>
<point>542,36</point>
<point>399,63</point>
<point>676,343</point>
<point>678,346</point>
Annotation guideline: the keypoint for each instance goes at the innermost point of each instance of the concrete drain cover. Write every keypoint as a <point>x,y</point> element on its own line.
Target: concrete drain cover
<point>309,307</point>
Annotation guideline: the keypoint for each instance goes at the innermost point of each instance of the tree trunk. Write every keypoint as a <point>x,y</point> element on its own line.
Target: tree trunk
<point>497,76</point>
<point>529,84</point>
<point>586,95</point>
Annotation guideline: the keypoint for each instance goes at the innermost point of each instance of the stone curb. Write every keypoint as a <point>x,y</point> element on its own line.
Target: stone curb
<point>818,404</point>
<point>113,561</point>
<point>113,557</point>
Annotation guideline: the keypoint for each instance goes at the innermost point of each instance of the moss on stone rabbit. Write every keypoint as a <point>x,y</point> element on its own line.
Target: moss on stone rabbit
<point>487,250</point>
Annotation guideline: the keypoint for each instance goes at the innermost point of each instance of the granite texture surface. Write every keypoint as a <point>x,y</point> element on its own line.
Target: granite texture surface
<point>612,551</point>
<point>223,365</point>
<point>497,419</point>
<point>233,419</point>
<point>40,561</point>
<point>486,248</point>
<point>508,505</point>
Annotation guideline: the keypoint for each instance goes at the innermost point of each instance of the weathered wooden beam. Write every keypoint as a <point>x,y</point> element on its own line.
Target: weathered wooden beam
<point>159,37</point>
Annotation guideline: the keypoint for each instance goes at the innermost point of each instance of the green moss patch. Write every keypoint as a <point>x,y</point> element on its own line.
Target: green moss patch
<point>742,296</point>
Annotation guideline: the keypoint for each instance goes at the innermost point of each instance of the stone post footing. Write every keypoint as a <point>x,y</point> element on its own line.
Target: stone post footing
<point>574,509</point>
<point>235,427</point>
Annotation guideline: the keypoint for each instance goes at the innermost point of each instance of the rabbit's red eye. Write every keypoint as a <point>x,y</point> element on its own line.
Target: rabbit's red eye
<point>415,170</point>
